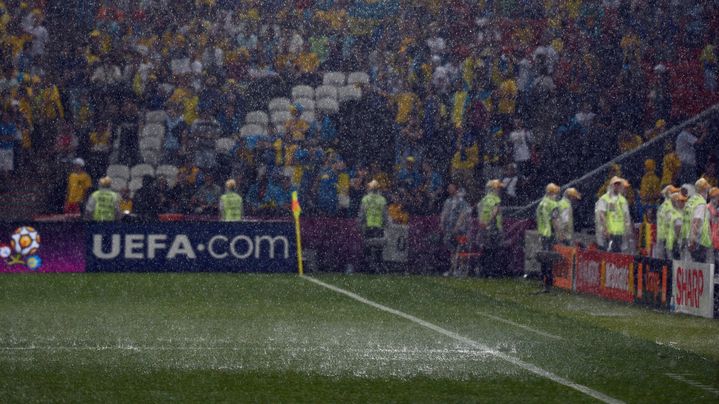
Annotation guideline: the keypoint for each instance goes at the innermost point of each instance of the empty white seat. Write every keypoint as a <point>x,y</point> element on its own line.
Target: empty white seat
<point>336,79</point>
<point>306,104</point>
<point>150,143</point>
<point>348,93</point>
<point>303,91</point>
<point>257,118</point>
<point>152,130</point>
<point>325,92</point>
<point>328,105</point>
<point>151,157</point>
<point>280,117</point>
<point>158,117</point>
<point>253,130</point>
<point>358,78</point>
<point>169,172</point>
<point>308,116</point>
<point>118,171</point>
<point>280,129</point>
<point>134,185</point>
<point>142,170</point>
<point>118,184</point>
<point>279,104</point>
<point>224,145</point>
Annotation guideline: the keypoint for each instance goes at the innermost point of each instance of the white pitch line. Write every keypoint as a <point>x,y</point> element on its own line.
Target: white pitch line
<point>694,383</point>
<point>522,326</point>
<point>507,358</point>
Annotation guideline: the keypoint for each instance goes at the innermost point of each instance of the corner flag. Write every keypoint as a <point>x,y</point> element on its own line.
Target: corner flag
<point>296,210</point>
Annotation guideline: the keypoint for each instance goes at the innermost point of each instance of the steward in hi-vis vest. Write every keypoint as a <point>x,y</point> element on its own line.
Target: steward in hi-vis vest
<point>231,203</point>
<point>104,204</point>
<point>565,228</point>
<point>612,215</point>
<point>547,224</point>
<point>372,221</point>
<point>489,235</point>
<point>664,223</point>
<point>695,225</point>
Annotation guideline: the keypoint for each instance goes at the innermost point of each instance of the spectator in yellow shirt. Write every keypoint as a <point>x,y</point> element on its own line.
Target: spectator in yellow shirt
<point>78,183</point>
<point>670,166</point>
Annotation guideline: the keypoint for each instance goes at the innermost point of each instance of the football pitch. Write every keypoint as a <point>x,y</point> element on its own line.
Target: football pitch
<point>207,337</point>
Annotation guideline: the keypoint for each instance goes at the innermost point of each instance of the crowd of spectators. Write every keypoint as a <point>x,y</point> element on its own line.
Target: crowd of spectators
<point>459,91</point>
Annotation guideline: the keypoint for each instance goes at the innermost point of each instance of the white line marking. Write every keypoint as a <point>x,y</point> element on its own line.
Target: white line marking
<point>696,384</point>
<point>507,358</point>
<point>522,326</point>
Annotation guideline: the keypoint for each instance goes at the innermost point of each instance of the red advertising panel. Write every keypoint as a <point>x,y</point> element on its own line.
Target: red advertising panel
<point>589,271</point>
<point>618,277</point>
<point>563,270</point>
<point>605,274</point>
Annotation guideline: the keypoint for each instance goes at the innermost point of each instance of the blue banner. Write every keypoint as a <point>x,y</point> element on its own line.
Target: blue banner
<point>191,247</point>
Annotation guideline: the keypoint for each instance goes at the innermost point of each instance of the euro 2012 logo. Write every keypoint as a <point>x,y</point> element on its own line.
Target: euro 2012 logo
<point>24,244</point>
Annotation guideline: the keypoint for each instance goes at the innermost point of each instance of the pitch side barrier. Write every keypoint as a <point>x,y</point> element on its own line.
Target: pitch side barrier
<point>677,286</point>
<point>149,247</point>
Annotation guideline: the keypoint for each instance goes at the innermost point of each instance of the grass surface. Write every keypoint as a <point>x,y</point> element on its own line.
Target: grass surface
<point>268,338</point>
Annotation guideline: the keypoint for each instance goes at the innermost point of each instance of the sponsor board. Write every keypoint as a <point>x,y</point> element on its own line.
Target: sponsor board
<point>178,247</point>
<point>618,277</point>
<point>605,274</point>
<point>588,274</point>
<point>692,288</point>
<point>41,247</point>
<point>653,280</point>
<point>563,271</point>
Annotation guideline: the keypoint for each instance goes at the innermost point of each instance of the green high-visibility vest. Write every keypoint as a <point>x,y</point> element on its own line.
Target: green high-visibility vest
<point>663,219</point>
<point>485,208</point>
<point>564,205</point>
<point>672,216</point>
<point>105,202</point>
<point>615,214</point>
<point>544,216</point>
<point>374,205</point>
<point>232,207</point>
<point>705,239</point>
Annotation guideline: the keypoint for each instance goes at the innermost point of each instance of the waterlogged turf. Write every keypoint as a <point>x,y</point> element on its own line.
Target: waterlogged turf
<point>228,337</point>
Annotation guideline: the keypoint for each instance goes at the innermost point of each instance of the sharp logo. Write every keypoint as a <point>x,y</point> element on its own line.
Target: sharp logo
<point>220,247</point>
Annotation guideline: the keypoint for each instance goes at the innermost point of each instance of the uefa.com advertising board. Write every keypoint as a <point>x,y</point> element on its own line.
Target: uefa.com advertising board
<point>159,247</point>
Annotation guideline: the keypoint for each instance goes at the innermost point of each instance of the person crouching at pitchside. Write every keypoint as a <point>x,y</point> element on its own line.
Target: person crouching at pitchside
<point>372,220</point>
<point>231,207</point>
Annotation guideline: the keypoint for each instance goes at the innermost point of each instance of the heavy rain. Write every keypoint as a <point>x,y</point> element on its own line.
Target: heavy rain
<point>359,200</point>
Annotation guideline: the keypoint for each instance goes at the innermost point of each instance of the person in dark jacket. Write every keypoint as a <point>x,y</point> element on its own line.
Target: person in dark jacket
<point>147,201</point>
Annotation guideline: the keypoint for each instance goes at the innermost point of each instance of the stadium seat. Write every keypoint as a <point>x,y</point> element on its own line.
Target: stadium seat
<point>308,116</point>
<point>328,105</point>
<point>325,92</point>
<point>257,118</point>
<point>279,104</point>
<point>280,117</point>
<point>158,117</point>
<point>150,143</point>
<point>151,157</point>
<point>280,129</point>
<point>253,130</point>
<point>118,171</point>
<point>118,184</point>
<point>348,93</point>
<point>336,79</point>
<point>358,78</point>
<point>303,91</point>
<point>169,172</point>
<point>142,170</point>
<point>306,104</point>
<point>152,130</point>
<point>134,185</point>
<point>224,145</point>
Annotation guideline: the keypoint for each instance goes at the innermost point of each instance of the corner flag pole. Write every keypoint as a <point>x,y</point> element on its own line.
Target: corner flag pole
<point>296,210</point>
